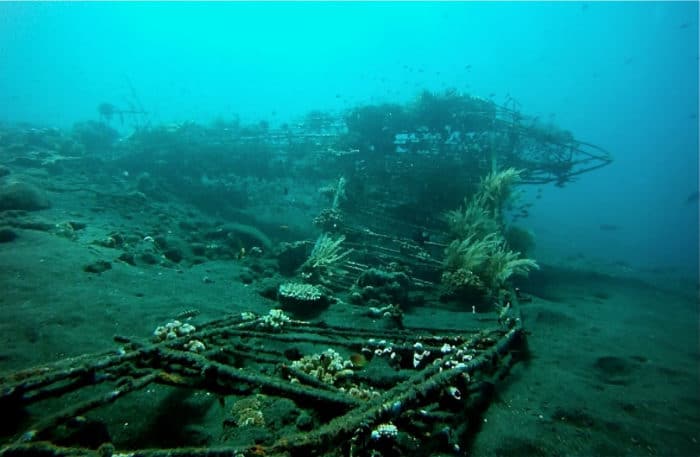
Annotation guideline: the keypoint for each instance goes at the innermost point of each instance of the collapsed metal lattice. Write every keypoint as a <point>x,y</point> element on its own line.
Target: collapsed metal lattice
<point>404,415</point>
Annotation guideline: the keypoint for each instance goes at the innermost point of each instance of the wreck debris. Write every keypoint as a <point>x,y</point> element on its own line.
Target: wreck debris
<point>362,411</point>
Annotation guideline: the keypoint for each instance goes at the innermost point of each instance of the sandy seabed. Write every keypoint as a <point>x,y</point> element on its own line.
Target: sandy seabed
<point>612,366</point>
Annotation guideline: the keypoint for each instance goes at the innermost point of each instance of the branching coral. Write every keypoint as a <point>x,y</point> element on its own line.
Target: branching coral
<point>472,220</point>
<point>470,253</point>
<point>496,188</point>
<point>326,258</point>
<point>478,259</point>
<point>484,264</point>
<point>483,214</point>
<point>503,263</point>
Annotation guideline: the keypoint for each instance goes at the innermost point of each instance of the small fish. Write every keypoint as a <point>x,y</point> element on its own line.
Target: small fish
<point>692,198</point>
<point>187,314</point>
<point>358,360</point>
<point>609,227</point>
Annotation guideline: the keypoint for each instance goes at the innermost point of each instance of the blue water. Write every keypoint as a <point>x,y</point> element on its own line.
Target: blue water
<point>620,75</point>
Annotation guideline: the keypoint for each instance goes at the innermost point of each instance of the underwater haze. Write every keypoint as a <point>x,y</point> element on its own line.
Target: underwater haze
<point>620,75</point>
<point>349,229</point>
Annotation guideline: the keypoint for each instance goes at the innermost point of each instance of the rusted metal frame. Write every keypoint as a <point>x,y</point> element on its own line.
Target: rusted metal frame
<point>412,333</point>
<point>246,353</point>
<point>405,395</point>
<point>45,449</point>
<point>39,383</point>
<point>217,373</point>
<point>307,379</point>
<point>204,366</point>
<point>45,384</point>
<point>42,388</point>
<point>80,408</point>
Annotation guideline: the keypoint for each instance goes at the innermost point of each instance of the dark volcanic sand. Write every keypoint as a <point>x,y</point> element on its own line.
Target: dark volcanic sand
<point>613,368</point>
